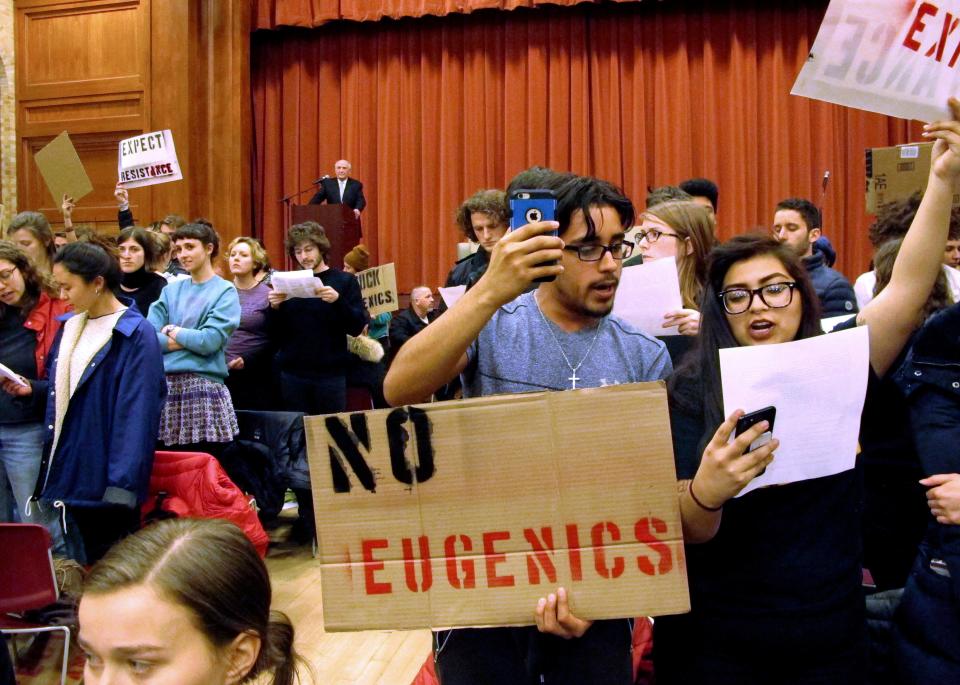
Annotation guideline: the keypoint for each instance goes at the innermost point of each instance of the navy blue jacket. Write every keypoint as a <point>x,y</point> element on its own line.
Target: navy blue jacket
<point>930,379</point>
<point>927,639</point>
<point>835,292</point>
<point>109,432</point>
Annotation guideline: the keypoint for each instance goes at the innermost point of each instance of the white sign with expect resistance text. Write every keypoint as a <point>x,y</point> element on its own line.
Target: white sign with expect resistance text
<point>147,160</point>
<point>896,58</point>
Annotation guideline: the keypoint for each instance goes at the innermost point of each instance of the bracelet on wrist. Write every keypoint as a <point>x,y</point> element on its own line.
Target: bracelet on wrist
<point>700,504</point>
<point>124,207</point>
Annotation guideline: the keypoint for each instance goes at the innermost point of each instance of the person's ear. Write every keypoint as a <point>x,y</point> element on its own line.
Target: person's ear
<point>689,245</point>
<point>241,656</point>
<point>209,248</point>
<point>814,234</point>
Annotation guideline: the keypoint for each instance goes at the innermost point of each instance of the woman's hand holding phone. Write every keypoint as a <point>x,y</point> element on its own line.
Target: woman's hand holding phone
<point>727,467</point>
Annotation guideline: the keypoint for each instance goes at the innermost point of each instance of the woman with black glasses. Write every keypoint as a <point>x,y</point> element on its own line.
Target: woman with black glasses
<point>685,231</point>
<point>775,575</point>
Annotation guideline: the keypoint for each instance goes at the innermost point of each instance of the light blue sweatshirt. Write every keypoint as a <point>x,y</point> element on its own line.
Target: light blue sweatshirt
<point>206,313</point>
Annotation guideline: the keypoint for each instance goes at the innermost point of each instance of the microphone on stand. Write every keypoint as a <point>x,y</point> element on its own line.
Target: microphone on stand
<point>318,180</point>
<point>826,180</point>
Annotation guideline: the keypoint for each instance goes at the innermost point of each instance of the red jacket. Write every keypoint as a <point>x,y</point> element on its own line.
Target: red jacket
<point>44,320</point>
<point>198,487</point>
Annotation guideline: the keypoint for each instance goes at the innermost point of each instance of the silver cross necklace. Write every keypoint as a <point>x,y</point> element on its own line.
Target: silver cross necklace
<point>573,378</point>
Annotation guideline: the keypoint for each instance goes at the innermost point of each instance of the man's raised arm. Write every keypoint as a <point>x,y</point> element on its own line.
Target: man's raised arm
<point>438,353</point>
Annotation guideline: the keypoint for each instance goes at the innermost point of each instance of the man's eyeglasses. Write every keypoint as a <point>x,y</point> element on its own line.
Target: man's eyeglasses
<point>774,295</point>
<point>652,235</point>
<point>594,253</point>
<point>7,275</point>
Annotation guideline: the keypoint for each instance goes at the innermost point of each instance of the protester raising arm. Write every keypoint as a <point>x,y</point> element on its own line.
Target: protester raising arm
<point>439,352</point>
<point>895,313</point>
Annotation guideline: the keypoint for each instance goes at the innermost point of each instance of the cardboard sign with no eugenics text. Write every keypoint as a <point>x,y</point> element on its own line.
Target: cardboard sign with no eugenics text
<point>465,513</point>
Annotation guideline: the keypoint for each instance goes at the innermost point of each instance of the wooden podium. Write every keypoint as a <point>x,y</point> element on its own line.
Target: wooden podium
<point>340,223</point>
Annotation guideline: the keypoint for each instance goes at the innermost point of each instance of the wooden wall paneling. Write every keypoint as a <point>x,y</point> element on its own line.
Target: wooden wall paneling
<point>82,67</point>
<point>80,48</point>
<point>223,192</point>
<point>201,91</point>
<point>170,98</point>
<point>108,69</point>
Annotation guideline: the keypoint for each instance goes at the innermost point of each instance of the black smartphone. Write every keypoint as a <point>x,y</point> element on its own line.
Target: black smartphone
<point>768,414</point>
<point>528,206</point>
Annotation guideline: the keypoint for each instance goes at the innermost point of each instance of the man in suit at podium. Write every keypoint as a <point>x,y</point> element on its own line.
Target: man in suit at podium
<point>341,189</point>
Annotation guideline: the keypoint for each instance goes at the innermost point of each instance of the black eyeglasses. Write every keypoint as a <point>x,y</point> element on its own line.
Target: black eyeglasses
<point>652,235</point>
<point>594,253</point>
<point>774,295</point>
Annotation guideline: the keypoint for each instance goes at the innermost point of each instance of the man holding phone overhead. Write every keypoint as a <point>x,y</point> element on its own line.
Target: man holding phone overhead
<point>560,336</point>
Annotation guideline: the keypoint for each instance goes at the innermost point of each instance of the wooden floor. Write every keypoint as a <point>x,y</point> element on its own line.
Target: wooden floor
<point>365,658</point>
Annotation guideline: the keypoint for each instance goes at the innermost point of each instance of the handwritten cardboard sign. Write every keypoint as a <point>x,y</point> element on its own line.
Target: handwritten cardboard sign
<point>62,170</point>
<point>896,58</point>
<point>465,513</point>
<point>148,159</point>
<point>379,289</point>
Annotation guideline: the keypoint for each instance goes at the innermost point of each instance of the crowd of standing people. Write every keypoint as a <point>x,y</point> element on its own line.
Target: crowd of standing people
<point>119,347</point>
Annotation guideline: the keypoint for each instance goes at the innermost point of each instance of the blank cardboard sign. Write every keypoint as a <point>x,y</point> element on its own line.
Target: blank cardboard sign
<point>62,170</point>
<point>465,513</point>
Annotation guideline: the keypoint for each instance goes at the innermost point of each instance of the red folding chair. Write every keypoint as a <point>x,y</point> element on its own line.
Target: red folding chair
<point>28,581</point>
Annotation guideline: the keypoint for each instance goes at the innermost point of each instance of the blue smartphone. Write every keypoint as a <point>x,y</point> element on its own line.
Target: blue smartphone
<point>528,206</point>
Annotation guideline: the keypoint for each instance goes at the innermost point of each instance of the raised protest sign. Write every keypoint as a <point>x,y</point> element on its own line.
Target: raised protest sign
<point>148,159</point>
<point>379,289</point>
<point>896,58</point>
<point>466,513</point>
<point>62,170</point>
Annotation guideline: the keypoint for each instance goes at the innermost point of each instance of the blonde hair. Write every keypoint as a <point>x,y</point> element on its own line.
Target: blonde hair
<point>261,261</point>
<point>696,228</point>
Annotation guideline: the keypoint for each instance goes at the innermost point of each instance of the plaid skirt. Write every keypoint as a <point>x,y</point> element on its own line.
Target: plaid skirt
<point>197,410</point>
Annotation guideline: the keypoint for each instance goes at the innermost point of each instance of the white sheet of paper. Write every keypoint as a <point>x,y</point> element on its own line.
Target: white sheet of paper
<point>5,372</point>
<point>295,283</point>
<point>647,292</point>
<point>818,386</point>
<point>895,58</point>
<point>452,294</point>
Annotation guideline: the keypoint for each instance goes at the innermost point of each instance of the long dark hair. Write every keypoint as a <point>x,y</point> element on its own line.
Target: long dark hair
<point>211,569</point>
<point>696,385</point>
<point>33,280</point>
<point>89,260</point>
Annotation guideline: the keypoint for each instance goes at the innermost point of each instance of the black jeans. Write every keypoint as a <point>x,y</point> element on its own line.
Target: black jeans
<point>314,396</point>
<point>311,396</point>
<point>524,656</point>
<point>829,649</point>
<point>927,626</point>
<point>102,527</point>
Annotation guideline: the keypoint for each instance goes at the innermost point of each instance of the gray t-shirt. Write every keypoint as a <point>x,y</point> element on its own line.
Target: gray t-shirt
<point>515,352</point>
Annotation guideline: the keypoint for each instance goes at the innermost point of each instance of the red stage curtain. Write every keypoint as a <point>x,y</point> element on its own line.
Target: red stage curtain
<point>430,110</point>
<point>271,14</point>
